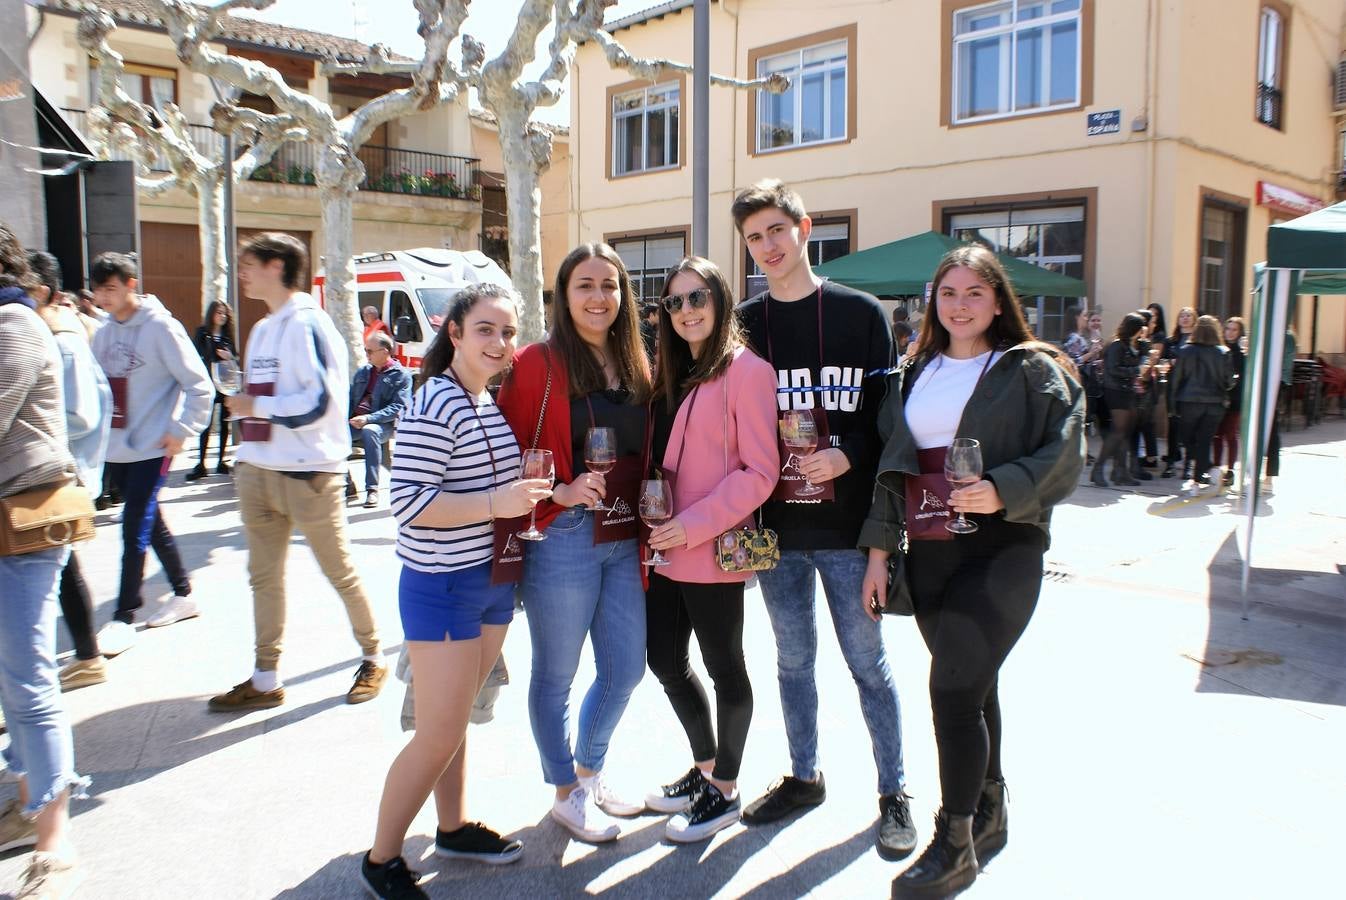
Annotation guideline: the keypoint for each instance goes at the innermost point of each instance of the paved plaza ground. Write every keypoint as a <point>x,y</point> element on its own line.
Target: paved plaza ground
<point>1156,744</point>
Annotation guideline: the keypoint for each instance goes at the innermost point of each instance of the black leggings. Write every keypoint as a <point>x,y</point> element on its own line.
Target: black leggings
<point>77,607</point>
<point>674,610</point>
<point>973,596</point>
<point>204,443</point>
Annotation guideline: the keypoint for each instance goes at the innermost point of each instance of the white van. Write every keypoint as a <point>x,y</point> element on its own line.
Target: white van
<point>411,289</point>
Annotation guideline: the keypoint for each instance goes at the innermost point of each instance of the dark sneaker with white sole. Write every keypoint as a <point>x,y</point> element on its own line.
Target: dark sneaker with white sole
<point>786,796</point>
<point>897,833</point>
<point>710,812</point>
<point>676,797</point>
<point>391,881</point>
<point>475,841</point>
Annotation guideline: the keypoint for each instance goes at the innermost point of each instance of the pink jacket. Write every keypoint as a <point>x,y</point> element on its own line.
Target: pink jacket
<point>729,467</point>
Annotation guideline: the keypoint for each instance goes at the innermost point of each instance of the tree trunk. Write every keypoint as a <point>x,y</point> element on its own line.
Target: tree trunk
<point>213,236</point>
<point>523,194</point>
<point>339,286</point>
<point>339,175</point>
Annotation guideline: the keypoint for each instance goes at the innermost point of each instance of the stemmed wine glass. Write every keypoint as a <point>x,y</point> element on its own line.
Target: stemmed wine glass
<point>962,467</point>
<point>600,455</point>
<point>228,378</point>
<point>656,508</point>
<point>536,464</point>
<point>799,432</point>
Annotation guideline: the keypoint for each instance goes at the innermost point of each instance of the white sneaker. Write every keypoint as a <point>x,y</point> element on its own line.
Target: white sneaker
<point>48,877</point>
<point>175,609</point>
<point>115,638</point>
<point>579,815</point>
<point>607,800</point>
<point>1268,485</point>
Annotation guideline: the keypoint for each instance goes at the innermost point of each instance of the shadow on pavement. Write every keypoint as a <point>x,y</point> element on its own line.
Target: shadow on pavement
<point>688,872</point>
<point>1292,646</point>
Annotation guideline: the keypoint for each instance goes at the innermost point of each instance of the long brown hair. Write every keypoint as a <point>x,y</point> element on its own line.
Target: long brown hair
<point>1207,332</point>
<point>1007,328</point>
<point>586,375</point>
<point>209,321</point>
<point>675,355</point>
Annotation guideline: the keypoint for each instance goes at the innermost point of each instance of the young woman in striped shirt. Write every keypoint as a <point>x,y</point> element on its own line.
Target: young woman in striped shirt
<point>455,472</point>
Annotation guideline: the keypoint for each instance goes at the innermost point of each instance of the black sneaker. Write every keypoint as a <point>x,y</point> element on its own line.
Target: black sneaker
<point>897,834</point>
<point>785,796</point>
<point>196,474</point>
<point>709,813</point>
<point>676,797</point>
<point>475,841</point>
<point>391,881</point>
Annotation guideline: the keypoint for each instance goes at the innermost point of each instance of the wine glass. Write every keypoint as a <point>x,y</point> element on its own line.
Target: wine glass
<point>962,467</point>
<point>600,455</point>
<point>227,376</point>
<point>799,432</point>
<point>536,464</point>
<point>656,508</point>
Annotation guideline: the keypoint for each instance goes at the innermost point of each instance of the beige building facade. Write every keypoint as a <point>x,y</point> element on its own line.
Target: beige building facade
<point>422,185</point>
<point>1142,145</point>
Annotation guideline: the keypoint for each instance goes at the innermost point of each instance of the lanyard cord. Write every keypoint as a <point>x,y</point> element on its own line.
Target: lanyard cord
<point>766,317</point>
<point>485,434</point>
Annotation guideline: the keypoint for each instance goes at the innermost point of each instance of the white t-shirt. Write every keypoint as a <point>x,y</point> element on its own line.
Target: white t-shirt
<point>935,405</point>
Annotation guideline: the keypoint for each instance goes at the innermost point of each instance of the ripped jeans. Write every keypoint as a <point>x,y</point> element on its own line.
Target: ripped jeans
<point>41,746</point>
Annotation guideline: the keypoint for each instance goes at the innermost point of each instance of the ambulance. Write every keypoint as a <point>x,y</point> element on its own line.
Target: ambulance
<point>411,289</point>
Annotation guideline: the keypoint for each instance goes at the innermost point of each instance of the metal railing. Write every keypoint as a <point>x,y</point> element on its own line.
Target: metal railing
<point>206,139</point>
<point>388,170</point>
<point>1269,103</point>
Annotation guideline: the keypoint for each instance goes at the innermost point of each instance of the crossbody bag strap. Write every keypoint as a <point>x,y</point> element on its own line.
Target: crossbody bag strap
<point>546,395</point>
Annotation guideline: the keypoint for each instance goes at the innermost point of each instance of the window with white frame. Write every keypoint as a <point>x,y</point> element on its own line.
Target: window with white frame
<point>1050,237</point>
<point>645,129</point>
<point>1270,56</point>
<point>1014,57</point>
<point>648,260</point>
<point>827,241</point>
<point>150,85</point>
<point>813,110</point>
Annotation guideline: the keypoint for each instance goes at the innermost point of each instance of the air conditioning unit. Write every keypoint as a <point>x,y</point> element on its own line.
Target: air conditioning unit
<point>1339,95</point>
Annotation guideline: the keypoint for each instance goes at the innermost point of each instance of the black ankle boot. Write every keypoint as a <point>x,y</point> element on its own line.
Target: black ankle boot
<point>1096,476</point>
<point>990,824</point>
<point>948,865</point>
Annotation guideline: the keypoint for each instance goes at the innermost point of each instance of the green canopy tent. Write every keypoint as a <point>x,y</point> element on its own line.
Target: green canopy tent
<point>1304,256</point>
<point>905,267</point>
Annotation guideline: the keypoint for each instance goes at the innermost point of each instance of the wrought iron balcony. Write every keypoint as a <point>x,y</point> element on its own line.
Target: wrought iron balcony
<point>388,170</point>
<point>1269,104</point>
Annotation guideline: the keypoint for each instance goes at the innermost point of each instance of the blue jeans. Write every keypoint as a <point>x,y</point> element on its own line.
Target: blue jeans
<point>789,593</point>
<point>373,438</point>
<point>143,527</point>
<point>572,588</point>
<point>40,742</point>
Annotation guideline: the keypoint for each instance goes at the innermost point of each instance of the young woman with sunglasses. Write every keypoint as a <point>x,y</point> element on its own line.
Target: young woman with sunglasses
<point>714,427</point>
<point>581,581</point>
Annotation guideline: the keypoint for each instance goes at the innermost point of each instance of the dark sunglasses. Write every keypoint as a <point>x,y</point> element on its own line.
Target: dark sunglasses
<point>695,299</point>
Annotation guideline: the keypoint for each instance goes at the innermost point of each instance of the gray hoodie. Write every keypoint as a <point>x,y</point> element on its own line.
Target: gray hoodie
<point>167,388</point>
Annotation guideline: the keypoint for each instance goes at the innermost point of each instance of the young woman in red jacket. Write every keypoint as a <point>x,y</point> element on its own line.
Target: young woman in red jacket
<point>583,579</point>
<point>714,427</point>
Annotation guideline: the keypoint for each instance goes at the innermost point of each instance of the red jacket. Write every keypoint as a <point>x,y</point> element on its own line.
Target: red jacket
<point>520,401</point>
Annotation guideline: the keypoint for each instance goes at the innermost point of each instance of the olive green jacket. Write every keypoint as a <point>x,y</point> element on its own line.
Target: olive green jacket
<point>1028,414</point>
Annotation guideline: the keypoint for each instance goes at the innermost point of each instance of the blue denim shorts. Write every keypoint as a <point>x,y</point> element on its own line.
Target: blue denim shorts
<point>456,604</point>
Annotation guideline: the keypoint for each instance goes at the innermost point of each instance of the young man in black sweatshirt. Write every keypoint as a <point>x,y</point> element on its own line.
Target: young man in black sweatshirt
<point>831,347</point>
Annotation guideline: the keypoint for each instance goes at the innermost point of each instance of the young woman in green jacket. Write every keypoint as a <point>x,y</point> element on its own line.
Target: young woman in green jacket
<point>979,374</point>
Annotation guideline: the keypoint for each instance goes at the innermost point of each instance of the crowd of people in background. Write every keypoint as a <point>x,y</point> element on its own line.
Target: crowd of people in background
<point>1184,386</point>
<point>802,413</point>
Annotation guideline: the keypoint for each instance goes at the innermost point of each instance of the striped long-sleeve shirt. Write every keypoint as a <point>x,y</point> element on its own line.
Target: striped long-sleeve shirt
<point>446,444</point>
<point>33,447</point>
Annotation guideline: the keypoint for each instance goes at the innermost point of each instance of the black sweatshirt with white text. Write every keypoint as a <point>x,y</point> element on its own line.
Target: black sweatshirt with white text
<point>847,383</point>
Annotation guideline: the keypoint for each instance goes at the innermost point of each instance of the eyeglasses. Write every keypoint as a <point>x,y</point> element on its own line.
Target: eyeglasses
<point>695,299</point>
